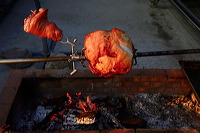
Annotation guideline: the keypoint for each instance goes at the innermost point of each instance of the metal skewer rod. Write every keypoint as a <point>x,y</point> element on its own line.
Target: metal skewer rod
<point>26,60</point>
<point>170,52</point>
<point>82,58</point>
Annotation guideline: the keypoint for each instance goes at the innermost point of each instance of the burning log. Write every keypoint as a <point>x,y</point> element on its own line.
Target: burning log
<point>85,106</point>
<point>189,103</point>
<point>69,111</point>
<point>54,114</point>
<point>85,118</point>
<point>74,111</point>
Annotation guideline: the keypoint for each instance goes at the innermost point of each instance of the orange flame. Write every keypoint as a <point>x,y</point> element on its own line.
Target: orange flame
<point>86,106</point>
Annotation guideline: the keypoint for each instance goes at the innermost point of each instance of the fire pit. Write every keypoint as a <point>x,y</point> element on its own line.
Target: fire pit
<point>143,100</point>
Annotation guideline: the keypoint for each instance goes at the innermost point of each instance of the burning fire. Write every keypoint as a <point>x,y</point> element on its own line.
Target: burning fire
<point>85,110</point>
<point>77,112</point>
<point>85,106</point>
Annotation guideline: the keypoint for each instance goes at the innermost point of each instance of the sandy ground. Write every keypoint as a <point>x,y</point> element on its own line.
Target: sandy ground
<point>151,29</point>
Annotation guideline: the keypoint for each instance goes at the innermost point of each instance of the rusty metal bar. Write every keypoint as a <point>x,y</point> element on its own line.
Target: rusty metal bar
<point>190,16</point>
<point>46,50</point>
<point>170,52</point>
<point>37,4</point>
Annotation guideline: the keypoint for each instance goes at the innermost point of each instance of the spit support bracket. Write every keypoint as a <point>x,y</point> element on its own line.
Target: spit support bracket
<point>71,58</point>
<point>74,55</point>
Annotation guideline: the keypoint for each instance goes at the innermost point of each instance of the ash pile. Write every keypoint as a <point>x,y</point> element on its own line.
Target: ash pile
<point>78,112</point>
<point>168,111</point>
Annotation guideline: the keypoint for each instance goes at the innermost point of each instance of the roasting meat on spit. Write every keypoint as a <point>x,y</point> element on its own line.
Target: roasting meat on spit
<point>37,23</point>
<point>109,52</point>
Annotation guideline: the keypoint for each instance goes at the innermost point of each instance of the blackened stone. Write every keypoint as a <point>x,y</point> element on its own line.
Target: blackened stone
<point>17,53</point>
<point>57,64</point>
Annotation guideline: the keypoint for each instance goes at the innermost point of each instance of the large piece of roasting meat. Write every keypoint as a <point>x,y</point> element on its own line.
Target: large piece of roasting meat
<point>109,52</point>
<point>37,23</point>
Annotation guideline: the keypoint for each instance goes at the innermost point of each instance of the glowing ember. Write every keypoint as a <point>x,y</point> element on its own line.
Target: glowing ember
<point>74,112</point>
<point>190,103</point>
<point>85,106</point>
<point>77,111</point>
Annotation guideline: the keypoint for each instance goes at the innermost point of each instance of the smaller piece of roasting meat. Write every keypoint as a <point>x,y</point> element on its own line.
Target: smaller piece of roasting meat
<point>37,23</point>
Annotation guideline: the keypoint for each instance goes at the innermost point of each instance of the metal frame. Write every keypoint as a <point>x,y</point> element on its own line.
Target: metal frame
<point>190,16</point>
